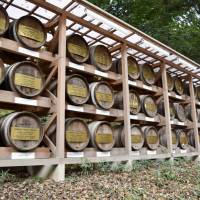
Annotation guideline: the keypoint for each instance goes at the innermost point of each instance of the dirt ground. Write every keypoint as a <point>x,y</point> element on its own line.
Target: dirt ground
<point>146,180</point>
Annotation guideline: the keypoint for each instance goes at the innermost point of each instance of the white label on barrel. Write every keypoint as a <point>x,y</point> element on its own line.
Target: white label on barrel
<point>172,122</point>
<point>132,83</point>
<point>179,97</point>
<point>24,101</point>
<point>173,151</point>
<point>103,154</point>
<point>151,152</point>
<point>99,73</point>
<point>183,151</point>
<point>149,119</point>
<point>147,87</point>
<point>102,112</point>
<point>75,154</point>
<point>75,108</point>
<point>29,52</point>
<point>135,153</point>
<point>180,123</point>
<point>18,155</point>
<point>134,117</point>
<point>76,66</point>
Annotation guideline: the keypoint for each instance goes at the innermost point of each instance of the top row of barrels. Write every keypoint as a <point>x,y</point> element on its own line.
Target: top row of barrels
<point>30,32</point>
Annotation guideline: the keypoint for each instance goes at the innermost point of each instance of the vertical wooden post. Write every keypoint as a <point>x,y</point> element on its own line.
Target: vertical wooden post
<point>127,122</point>
<point>167,109</point>
<point>194,115</point>
<point>59,172</point>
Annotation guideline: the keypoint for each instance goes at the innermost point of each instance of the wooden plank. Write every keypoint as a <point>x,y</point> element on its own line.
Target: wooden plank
<point>194,115</point>
<point>167,109</point>
<point>14,98</point>
<point>14,47</point>
<point>127,122</point>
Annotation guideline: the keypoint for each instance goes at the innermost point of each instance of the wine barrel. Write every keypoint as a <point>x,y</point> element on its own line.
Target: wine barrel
<point>163,137</point>
<point>2,70</point>
<point>21,130</point>
<point>147,74</point>
<point>25,78</point>
<point>188,112</point>
<point>101,57</point>
<point>148,105</point>
<point>102,95</point>
<point>77,48</point>
<point>151,137</point>
<point>29,31</point>
<point>4,21</point>
<point>170,82</point>
<point>183,139</point>
<point>161,108</point>
<point>191,138</point>
<point>133,67</point>
<point>134,101</point>
<point>77,134</point>
<point>198,115</point>
<point>198,93</point>
<point>137,136</point>
<point>102,136</point>
<point>178,86</point>
<point>179,112</point>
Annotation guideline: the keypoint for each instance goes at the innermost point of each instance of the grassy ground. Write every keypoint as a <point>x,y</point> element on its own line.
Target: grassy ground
<point>148,180</point>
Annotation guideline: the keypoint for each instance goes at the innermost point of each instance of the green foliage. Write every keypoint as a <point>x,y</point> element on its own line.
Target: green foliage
<point>5,176</point>
<point>173,22</point>
<point>86,166</point>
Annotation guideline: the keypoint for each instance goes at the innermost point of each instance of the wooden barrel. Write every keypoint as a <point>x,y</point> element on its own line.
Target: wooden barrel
<point>198,93</point>
<point>25,78</point>
<point>148,105</point>
<point>183,139</point>
<point>170,82</point>
<point>101,57</point>
<point>21,130</point>
<point>4,21</point>
<point>102,136</point>
<point>133,67</point>
<point>161,108</point>
<point>102,95</point>
<point>77,134</point>
<point>198,115</point>
<point>29,31</point>
<point>137,136</point>
<point>77,48</point>
<point>191,137</point>
<point>179,112</point>
<point>188,112</point>
<point>163,137</point>
<point>147,74</point>
<point>151,137</point>
<point>178,86</point>
<point>134,101</point>
<point>2,70</point>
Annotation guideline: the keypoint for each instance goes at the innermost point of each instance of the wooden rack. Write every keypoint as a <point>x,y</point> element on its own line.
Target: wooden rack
<point>121,45</point>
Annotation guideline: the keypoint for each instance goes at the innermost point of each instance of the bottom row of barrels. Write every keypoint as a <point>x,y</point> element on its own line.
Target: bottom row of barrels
<point>24,132</point>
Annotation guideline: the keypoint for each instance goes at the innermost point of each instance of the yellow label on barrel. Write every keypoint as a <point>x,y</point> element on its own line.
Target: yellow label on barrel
<point>104,138</point>
<point>134,103</point>
<point>150,106</point>
<point>28,81</point>
<point>148,73</point>
<point>136,139</point>
<point>75,90</point>
<point>179,85</point>
<point>25,134</point>
<point>152,139</point>
<point>132,69</point>
<point>77,49</point>
<point>172,112</point>
<point>100,96</point>
<point>5,112</point>
<point>183,140</point>
<point>102,59</point>
<point>174,140</point>
<point>76,136</point>
<point>31,33</point>
<point>2,24</point>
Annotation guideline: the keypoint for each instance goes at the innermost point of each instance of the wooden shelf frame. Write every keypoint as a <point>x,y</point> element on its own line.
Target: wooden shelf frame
<point>121,46</point>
